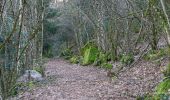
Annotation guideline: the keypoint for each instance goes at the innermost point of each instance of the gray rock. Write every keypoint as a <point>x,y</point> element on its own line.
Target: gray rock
<point>117,66</point>
<point>30,74</point>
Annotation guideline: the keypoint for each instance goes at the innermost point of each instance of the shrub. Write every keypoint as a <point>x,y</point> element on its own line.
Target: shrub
<point>87,46</point>
<point>67,53</point>
<point>101,58</point>
<point>107,66</point>
<point>127,58</point>
<point>47,50</point>
<point>74,59</point>
<point>14,90</point>
<point>89,53</point>
<point>156,54</point>
<point>20,87</point>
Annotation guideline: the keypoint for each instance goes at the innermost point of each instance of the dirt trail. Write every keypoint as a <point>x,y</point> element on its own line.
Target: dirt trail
<point>75,82</point>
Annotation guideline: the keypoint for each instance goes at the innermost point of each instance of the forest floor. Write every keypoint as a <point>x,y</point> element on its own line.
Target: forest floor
<point>75,82</point>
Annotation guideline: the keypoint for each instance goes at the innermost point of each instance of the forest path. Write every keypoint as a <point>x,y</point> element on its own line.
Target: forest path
<point>75,82</point>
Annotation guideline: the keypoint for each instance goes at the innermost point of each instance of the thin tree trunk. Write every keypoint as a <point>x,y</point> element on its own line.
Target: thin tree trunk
<point>167,28</point>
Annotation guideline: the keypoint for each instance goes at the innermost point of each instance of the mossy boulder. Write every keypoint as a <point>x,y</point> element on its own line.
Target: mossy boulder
<point>89,56</point>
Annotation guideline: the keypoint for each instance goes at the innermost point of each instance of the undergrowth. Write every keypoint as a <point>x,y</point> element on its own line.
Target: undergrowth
<point>156,54</point>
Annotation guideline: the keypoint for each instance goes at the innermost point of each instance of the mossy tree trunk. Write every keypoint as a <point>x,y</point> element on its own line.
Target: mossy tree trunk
<point>167,25</point>
<point>153,18</point>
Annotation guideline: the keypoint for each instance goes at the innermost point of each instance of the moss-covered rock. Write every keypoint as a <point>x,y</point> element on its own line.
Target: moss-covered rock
<point>90,55</point>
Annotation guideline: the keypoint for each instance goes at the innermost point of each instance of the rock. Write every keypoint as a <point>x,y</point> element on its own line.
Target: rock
<point>117,66</point>
<point>30,75</point>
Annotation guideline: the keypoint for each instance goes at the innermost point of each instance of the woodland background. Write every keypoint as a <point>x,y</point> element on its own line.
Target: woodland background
<point>88,32</point>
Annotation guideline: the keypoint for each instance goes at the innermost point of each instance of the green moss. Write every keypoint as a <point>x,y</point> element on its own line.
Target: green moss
<point>87,46</point>
<point>90,55</point>
<point>86,58</point>
<point>163,87</point>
